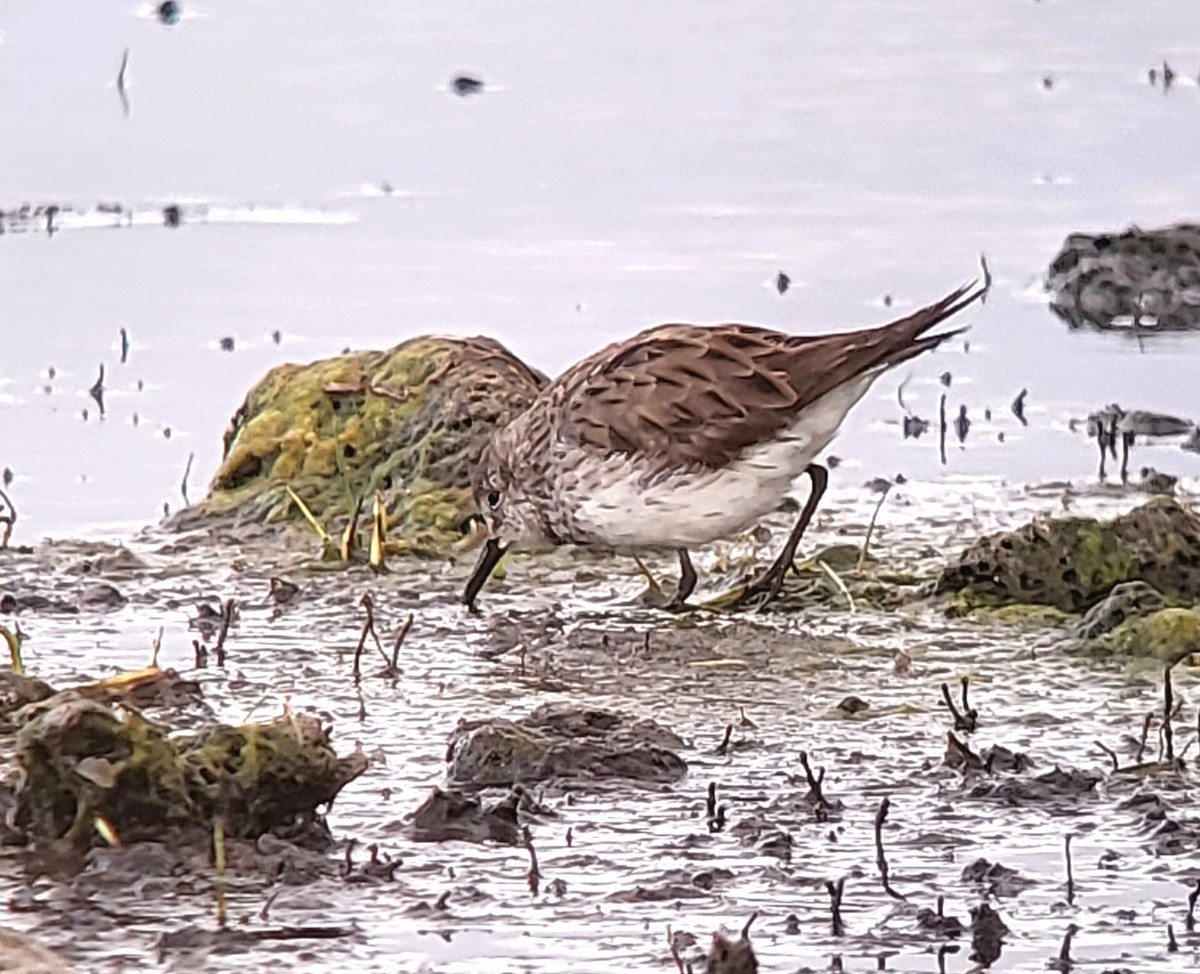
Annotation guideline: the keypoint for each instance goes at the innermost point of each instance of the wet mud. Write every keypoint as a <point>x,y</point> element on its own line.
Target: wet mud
<point>887,786</point>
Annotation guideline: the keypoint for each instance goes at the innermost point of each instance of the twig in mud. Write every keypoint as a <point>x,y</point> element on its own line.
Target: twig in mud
<point>570,837</point>
<point>1112,755</point>
<point>881,815</point>
<point>227,610</point>
<point>968,718</point>
<point>265,912</point>
<point>710,803</point>
<point>362,705</point>
<point>723,747</point>
<point>835,891</point>
<point>368,629</point>
<point>1070,871</point>
<point>959,754</point>
<point>8,518</point>
<point>673,945</point>
<point>1145,733</point>
<point>350,534</point>
<point>187,472</point>
<point>749,923</point>
<point>1064,962</point>
<point>1172,943</point>
<point>942,429</point>
<point>348,861</point>
<point>392,669</point>
<point>1194,895</point>
<point>123,94</point>
<point>219,862</point>
<point>535,874</point>
<point>97,390</point>
<point>375,556</point>
<point>816,795</point>
<point>201,652</point>
<point>155,647</point>
<point>440,903</point>
<point>987,276</point>
<point>1168,706</point>
<point>866,545</point>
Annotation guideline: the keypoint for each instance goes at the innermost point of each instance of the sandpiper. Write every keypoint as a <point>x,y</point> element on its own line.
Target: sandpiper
<point>683,435</point>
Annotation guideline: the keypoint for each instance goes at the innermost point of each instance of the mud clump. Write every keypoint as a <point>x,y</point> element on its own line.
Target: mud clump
<point>1071,564</point>
<point>447,816</point>
<point>562,741</point>
<point>1151,277</point>
<point>410,422</point>
<point>88,767</point>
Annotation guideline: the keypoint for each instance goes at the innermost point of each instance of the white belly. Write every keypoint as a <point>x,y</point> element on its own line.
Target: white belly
<point>696,507</point>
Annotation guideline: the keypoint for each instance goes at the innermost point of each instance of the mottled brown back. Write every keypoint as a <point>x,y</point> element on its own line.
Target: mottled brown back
<point>695,395</point>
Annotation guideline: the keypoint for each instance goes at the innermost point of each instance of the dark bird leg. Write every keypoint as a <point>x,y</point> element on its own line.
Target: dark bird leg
<point>766,586</point>
<point>1102,439</point>
<point>1126,443</point>
<point>687,582</point>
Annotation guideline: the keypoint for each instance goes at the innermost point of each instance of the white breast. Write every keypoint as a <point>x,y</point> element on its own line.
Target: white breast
<point>616,502</point>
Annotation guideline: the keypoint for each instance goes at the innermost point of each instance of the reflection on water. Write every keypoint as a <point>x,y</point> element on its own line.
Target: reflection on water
<point>624,164</point>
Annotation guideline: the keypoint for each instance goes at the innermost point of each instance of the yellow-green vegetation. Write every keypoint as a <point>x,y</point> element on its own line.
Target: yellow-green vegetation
<point>410,423</point>
<point>1072,563</point>
<point>84,761</point>
<point>1167,635</point>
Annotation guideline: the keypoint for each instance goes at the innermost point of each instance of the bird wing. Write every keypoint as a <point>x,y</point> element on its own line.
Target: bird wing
<point>689,395</point>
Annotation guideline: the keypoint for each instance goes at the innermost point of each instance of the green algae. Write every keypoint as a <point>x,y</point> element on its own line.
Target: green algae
<point>409,422</point>
<point>1167,635</point>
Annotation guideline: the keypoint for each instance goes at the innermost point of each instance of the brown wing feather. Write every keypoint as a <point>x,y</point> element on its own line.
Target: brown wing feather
<point>701,395</point>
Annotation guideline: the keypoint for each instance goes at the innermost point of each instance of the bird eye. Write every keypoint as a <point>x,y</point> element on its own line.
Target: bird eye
<point>493,499</point>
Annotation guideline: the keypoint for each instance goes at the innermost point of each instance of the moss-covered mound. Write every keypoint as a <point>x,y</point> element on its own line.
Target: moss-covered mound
<point>1167,635</point>
<point>88,767</point>
<point>410,422</point>
<point>1072,563</point>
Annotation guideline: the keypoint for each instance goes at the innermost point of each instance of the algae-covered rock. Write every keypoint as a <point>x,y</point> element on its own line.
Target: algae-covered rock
<point>88,766</point>
<point>1167,635</point>
<point>1126,601</point>
<point>561,741</point>
<point>410,422</point>
<point>1112,280</point>
<point>1072,563</point>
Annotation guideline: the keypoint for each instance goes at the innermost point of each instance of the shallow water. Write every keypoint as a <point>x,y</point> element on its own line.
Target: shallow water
<point>627,164</point>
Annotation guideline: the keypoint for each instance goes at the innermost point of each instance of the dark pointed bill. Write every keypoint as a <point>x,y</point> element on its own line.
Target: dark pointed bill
<point>492,552</point>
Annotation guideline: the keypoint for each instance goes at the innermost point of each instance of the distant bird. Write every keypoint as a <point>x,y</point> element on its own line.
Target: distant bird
<point>172,216</point>
<point>124,346</point>
<point>962,424</point>
<point>782,282</point>
<point>464,85</point>
<point>1113,423</point>
<point>169,12</point>
<point>227,344</point>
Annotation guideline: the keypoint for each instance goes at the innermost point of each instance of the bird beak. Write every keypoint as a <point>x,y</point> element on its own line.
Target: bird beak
<point>489,558</point>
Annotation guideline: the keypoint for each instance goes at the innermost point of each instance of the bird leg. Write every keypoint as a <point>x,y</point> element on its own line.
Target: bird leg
<point>1102,439</point>
<point>1126,443</point>
<point>765,586</point>
<point>687,582</point>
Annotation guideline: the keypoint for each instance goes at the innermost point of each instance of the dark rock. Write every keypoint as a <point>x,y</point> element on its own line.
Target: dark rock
<point>562,741</point>
<point>102,595</point>
<point>1073,563</point>
<point>939,925</point>
<point>452,816</point>
<point>727,956</point>
<point>1049,788</point>
<point>987,934</point>
<point>1112,280</point>
<point>464,85</point>
<point>997,879</point>
<point>1126,601</point>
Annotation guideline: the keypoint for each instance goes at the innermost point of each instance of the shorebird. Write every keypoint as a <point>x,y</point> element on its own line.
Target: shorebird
<point>683,435</point>
<point>1114,423</point>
